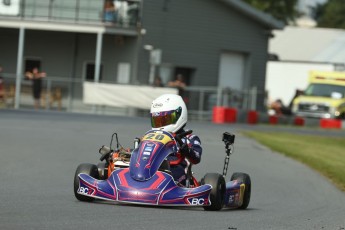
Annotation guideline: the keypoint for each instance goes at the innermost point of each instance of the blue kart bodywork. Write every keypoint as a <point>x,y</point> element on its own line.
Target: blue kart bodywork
<point>160,190</point>
<point>143,183</point>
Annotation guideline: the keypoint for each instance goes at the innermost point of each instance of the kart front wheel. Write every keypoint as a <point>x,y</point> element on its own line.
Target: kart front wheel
<point>245,179</point>
<point>218,190</point>
<point>88,169</point>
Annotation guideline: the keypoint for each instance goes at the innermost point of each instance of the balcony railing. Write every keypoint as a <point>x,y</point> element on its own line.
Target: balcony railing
<point>120,13</point>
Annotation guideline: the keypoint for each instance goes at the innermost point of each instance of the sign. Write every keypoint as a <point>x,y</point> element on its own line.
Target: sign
<point>156,57</point>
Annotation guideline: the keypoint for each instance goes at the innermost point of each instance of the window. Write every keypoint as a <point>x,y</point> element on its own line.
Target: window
<point>90,72</point>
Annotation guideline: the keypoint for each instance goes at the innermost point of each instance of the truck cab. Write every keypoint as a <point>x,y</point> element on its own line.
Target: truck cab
<point>324,96</point>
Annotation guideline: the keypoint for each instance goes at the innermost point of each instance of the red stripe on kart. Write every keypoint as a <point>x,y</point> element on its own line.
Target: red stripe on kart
<point>159,180</point>
<point>122,177</point>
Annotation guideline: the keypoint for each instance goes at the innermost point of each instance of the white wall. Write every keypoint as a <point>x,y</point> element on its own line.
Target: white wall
<point>283,78</point>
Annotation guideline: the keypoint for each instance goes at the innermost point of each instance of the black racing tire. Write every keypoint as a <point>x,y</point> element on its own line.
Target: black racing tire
<point>102,170</point>
<point>244,178</point>
<point>90,170</point>
<point>218,191</point>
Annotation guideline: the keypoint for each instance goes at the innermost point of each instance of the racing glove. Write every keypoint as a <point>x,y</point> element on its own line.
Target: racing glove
<point>185,150</point>
<point>189,153</point>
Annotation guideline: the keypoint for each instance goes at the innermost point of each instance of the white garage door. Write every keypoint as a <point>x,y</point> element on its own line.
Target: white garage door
<point>231,70</point>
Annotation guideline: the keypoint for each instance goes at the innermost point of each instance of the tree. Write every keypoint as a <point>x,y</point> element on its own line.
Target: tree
<point>283,10</point>
<point>330,14</point>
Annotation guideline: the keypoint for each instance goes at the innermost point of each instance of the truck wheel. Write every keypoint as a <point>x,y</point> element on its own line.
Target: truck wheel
<point>88,169</point>
<point>245,179</point>
<point>218,190</point>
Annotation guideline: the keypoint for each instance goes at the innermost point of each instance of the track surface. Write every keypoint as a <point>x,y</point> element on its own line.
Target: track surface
<point>39,152</point>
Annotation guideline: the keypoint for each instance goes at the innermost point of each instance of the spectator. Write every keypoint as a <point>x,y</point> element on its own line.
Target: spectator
<point>36,77</point>
<point>180,84</point>
<point>109,11</point>
<point>157,82</point>
<point>280,109</point>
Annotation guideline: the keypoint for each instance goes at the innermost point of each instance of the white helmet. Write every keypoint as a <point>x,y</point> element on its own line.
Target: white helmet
<point>168,113</point>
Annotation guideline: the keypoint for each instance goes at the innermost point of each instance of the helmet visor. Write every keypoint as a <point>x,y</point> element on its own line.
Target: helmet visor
<point>160,119</point>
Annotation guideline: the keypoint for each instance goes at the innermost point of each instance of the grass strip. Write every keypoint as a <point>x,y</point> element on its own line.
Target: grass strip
<point>324,154</point>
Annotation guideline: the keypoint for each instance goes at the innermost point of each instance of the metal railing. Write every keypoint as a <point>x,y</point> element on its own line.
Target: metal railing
<point>69,93</point>
<point>55,91</point>
<point>201,100</point>
<point>124,13</point>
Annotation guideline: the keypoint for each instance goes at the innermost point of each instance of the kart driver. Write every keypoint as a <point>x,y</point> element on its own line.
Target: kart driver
<point>169,113</point>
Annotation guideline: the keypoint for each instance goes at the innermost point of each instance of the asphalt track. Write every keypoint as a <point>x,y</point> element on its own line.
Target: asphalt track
<point>39,152</point>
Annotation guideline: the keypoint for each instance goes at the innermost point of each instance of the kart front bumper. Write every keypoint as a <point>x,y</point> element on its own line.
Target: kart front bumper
<point>159,190</point>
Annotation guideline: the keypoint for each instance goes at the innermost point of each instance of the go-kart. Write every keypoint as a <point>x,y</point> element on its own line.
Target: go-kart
<point>142,176</point>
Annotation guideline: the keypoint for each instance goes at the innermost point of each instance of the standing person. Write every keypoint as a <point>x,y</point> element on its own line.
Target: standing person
<point>157,82</point>
<point>180,84</point>
<point>109,11</point>
<point>36,77</point>
<point>169,113</point>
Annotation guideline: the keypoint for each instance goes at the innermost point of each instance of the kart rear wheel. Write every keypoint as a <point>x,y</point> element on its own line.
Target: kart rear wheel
<point>245,179</point>
<point>218,191</point>
<point>102,170</point>
<point>88,169</point>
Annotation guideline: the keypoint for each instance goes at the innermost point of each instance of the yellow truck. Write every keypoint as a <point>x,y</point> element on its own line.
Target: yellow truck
<point>324,96</point>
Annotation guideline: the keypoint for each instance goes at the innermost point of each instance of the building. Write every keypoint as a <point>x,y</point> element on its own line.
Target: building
<point>221,43</point>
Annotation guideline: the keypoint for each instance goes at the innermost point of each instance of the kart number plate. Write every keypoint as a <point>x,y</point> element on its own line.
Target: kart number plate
<point>157,137</point>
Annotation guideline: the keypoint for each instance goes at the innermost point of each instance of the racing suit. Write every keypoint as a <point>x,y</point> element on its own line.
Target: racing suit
<point>192,151</point>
